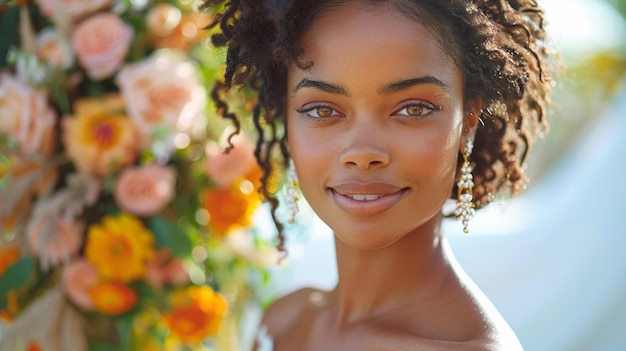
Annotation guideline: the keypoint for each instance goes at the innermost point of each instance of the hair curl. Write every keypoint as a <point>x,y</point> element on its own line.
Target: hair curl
<point>499,45</point>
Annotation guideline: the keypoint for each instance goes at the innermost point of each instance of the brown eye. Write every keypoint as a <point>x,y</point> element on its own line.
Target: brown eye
<point>414,110</point>
<point>319,112</point>
<point>323,111</point>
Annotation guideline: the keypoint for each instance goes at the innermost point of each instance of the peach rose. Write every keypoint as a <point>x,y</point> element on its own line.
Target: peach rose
<point>78,279</point>
<point>74,8</point>
<point>54,48</point>
<point>101,43</point>
<point>225,168</point>
<point>99,138</point>
<point>162,91</point>
<point>169,30</point>
<point>145,190</point>
<point>26,116</point>
<point>162,19</point>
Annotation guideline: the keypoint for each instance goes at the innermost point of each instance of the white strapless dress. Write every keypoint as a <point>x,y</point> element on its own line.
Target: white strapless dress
<point>263,340</point>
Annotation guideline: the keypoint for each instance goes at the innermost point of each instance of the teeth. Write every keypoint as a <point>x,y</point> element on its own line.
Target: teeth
<point>360,197</point>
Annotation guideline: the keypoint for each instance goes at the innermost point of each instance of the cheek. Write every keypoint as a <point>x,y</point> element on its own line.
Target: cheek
<point>432,157</point>
<point>310,153</point>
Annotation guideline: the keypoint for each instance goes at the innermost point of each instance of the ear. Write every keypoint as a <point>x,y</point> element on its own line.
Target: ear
<point>473,109</point>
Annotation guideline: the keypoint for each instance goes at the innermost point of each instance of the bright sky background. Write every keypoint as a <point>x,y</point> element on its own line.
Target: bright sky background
<point>581,27</point>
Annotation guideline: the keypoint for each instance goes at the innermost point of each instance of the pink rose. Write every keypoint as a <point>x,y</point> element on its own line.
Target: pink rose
<point>145,190</point>
<point>74,8</point>
<point>165,269</point>
<point>26,116</point>
<point>54,48</point>
<point>78,278</point>
<point>101,43</point>
<point>163,91</point>
<point>225,168</point>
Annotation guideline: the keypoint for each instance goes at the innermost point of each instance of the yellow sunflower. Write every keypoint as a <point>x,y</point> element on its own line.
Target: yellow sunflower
<point>120,247</point>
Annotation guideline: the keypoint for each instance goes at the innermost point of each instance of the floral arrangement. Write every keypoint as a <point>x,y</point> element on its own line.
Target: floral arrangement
<point>123,224</point>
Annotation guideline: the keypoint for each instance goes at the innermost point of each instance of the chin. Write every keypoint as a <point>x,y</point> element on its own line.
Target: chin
<point>368,238</point>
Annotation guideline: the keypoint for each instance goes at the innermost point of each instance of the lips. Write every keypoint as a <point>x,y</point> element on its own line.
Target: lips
<point>366,199</point>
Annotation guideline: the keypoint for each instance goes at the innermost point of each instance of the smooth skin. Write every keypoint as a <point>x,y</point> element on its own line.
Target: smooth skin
<point>380,117</point>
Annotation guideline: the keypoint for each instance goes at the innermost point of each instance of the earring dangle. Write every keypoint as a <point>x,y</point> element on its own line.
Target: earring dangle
<point>464,205</point>
<point>292,192</point>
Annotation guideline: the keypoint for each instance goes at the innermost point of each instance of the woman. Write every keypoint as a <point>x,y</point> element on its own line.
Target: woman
<point>390,108</point>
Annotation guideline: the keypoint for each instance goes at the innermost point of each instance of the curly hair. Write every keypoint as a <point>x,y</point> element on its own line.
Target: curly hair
<point>500,47</point>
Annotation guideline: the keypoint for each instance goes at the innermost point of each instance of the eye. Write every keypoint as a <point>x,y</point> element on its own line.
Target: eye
<point>416,109</point>
<point>319,111</point>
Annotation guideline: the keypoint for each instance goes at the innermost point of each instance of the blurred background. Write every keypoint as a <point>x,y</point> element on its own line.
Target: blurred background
<point>553,260</point>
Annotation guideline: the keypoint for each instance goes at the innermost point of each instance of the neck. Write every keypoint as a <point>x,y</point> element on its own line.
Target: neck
<point>373,282</point>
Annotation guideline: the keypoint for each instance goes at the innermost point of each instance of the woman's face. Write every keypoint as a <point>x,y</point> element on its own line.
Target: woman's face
<point>375,123</point>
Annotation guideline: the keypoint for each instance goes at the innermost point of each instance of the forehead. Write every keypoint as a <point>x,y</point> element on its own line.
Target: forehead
<point>378,37</point>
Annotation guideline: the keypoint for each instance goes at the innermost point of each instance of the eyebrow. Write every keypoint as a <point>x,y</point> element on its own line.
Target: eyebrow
<point>407,83</point>
<point>387,89</point>
<point>327,87</point>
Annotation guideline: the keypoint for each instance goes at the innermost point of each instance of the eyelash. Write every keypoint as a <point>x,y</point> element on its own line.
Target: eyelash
<point>428,107</point>
<point>308,109</point>
<point>421,104</point>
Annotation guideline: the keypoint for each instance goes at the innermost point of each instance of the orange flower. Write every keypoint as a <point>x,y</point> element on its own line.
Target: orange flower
<point>8,256</point>
<point>12,308</point>
<point>33,346</point>
<point>113,298</point>
<point>99,138</point>
<point>5,316</point>
<point>120,247</point>
<point>197,313</point>
<point>230,208</point>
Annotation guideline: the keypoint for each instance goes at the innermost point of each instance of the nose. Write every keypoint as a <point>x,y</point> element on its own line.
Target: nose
<point>365,149</point>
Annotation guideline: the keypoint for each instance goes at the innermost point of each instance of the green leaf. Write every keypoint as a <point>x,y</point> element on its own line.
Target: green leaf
<point>170,235</point>
<point>102,347</point>
<point>144,291</point>
<point>18,275</point>
<point>126,335</point>
<point>8,28</point>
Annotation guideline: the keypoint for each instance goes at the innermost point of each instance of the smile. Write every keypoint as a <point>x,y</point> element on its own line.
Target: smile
<point>366,199</point>
<point>359,197</point>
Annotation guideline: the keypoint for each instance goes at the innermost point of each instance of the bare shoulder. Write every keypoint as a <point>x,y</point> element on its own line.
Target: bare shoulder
<point>500,338</point>
<point>283,313</point>
<point>495,333</point>
<point>492,339</point>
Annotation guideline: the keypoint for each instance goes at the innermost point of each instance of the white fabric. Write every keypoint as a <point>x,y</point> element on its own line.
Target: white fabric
<point>264,341</point>
<point>552,261</point>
